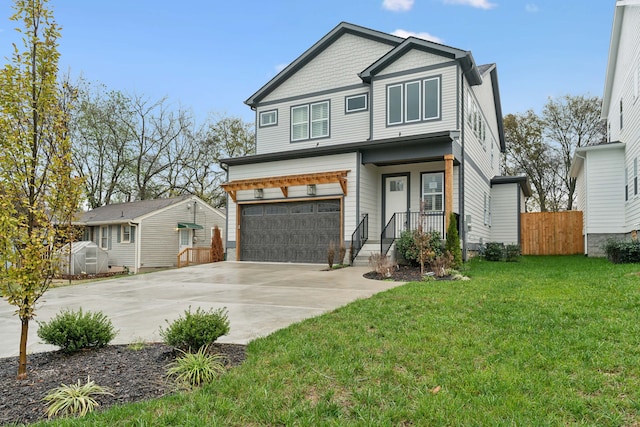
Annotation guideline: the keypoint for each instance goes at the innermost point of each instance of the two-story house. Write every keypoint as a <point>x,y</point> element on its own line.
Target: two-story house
<point>607,174</point>
<point>359,131</point>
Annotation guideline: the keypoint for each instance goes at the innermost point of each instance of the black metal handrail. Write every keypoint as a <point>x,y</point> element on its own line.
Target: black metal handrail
<point>388,235</point>
<point>401,221</point>
<point>359,237</point>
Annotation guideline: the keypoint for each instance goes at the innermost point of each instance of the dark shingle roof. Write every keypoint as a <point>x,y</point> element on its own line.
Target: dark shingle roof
<point>123,212</point>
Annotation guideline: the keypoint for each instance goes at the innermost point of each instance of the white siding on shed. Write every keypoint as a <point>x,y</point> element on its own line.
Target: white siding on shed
<point>505,213</point>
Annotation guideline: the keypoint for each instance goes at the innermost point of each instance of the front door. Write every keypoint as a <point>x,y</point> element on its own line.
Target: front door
<point>396,191</point>
<point>185,239</point>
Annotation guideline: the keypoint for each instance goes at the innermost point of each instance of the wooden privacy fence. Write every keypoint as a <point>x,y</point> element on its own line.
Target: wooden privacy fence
<point>192,256</point>
<point>551,233</point>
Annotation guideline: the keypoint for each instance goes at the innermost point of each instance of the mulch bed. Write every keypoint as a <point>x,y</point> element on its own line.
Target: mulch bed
<point>401,273</point>
<point>132,375</point>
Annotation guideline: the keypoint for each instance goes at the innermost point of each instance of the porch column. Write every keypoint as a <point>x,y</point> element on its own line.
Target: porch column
<point>448,188</point>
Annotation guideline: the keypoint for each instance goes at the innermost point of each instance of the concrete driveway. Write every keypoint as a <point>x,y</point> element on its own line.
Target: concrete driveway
<point>260,297</point>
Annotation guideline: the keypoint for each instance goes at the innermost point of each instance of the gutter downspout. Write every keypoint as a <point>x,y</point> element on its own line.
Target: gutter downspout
<point>463,219</point>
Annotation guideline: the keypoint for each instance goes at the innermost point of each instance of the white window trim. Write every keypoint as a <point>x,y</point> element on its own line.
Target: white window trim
<point>264,114</point>
<point>104,237</point>
<point>304,137</point>
<point>355,110</point>
<point>122,228</point>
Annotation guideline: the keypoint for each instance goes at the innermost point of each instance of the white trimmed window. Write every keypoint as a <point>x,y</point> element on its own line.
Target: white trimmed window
<point>310,121</point>
<point>126,234</point>
<point>268,118</point>
<point>413,101</point>
<point>104,237</point>
<point>433,192</point>
<point>356,103</point>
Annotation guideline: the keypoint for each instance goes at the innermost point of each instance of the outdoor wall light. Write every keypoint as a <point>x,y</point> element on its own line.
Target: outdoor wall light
<point>311,190</point>
<point>258,193</point>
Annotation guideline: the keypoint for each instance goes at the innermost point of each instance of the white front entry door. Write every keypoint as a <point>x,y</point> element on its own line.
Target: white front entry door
<point>395,196</point>
<point>185,239</point>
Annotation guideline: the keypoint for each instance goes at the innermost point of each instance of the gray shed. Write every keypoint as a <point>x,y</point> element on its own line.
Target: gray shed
<point>86,258</point>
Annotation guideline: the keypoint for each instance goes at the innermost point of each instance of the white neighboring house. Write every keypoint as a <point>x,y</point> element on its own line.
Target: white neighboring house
<point>354,134</point>
<point>607,174</point>
<point>149,234</point>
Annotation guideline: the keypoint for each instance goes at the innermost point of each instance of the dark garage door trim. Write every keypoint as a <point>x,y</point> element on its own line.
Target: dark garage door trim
<point>243,204</point>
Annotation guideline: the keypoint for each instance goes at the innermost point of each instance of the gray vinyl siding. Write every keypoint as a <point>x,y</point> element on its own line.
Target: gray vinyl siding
<point>337,66</point>
<point>121,254</point>
<point>504,203</point>
<point>346,161</point>
<point>160,239</point>
<point>448,105</point>
<point>343,128</point>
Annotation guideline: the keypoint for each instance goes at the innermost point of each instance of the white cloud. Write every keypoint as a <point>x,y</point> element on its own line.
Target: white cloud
<point>398,5</point>
<point>280,67</point>
<point>480,4</point>
<point>425,36</point>
<point>531,8</point>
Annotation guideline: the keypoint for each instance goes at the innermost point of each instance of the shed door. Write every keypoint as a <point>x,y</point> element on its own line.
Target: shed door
<point>289,232</point>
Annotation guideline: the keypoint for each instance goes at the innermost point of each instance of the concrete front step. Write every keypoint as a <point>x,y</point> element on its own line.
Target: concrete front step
<point>362,260</point>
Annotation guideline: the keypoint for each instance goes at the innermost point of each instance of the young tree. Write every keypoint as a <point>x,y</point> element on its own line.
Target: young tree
<point>38,192</point>
<point>452,244</point>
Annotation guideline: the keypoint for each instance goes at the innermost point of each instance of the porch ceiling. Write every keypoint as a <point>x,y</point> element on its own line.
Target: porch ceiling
<point>411,151</point>
<point>286,181</point>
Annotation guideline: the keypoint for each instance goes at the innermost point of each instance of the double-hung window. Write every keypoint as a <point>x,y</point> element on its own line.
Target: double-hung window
<point>433,192</point>
<point>104,237</point>
<point>413,101</point>
<point>310,121</point>
<point>126,233</point>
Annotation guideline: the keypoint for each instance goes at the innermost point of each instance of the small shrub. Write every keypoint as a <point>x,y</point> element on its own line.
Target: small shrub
<point>512,253</point>
<point>494,251</point>
<point>217,251</point>
<point>408,245</point>
<point>74,399</point>
<point>196,330</point>
<point>331,253</point>
<point>622,251</point>
<point>441,264</point>
<point>196,369</point>
<point>75,330</point>
<point>380,264</point>
<point>452,244</point>
<point>342,252</point>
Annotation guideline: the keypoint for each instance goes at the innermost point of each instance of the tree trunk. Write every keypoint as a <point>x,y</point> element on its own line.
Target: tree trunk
<point>22,365</point>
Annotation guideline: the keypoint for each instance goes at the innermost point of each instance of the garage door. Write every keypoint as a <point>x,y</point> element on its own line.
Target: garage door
<point>289,232</point>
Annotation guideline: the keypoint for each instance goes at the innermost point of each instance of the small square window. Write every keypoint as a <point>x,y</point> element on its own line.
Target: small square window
<point>268,118</point>
<point>356,103</point>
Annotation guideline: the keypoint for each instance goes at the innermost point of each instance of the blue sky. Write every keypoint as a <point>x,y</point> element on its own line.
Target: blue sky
<point>209,56</point>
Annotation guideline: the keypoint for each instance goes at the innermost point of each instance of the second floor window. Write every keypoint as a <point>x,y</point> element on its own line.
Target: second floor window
<point>310,121</point>
<point>413,101</point>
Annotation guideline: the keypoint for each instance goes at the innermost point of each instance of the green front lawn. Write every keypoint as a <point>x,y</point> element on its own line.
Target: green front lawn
<point>547,341</point>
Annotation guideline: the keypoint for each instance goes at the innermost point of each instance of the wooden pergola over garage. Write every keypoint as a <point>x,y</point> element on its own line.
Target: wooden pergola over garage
<point>284,182</point>
<point>292,229</point>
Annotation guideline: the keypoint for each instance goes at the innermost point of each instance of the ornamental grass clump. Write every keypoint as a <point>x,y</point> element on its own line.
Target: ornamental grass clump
<point>196,330</point>
<point>74,399</point>
<point>74,330</point>
<point>196,369</point>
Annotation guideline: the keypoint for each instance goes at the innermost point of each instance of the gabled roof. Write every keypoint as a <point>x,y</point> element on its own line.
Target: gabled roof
<point>315,50</point>
<point>464,57</point>
<point>125,212</point>
<point>616,31</point>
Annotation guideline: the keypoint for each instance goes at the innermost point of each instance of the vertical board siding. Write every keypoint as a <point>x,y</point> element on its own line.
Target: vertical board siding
<point>552,233</point>
<point>504,207</point>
